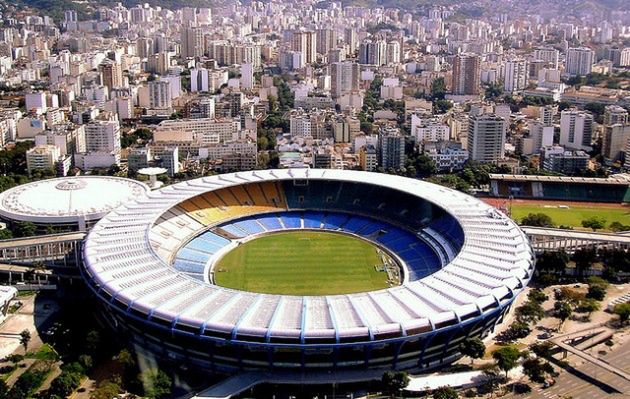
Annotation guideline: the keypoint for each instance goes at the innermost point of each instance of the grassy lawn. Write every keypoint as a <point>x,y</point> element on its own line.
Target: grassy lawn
<point>45,352</point>
<point>573,215</point>
<point>302,263</point>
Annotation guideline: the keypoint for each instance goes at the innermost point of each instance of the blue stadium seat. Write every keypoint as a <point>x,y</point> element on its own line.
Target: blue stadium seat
<point>270,222</point>
<point>313,220</point>
<point>335,221</point>
<point>291,220</point>
<point>188,266</point>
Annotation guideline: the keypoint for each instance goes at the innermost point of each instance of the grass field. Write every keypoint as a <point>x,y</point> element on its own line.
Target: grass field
<point>574,214</point>
<point>302,263</point>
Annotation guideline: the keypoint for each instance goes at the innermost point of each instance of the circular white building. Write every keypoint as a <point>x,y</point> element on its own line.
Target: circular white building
<point>150,263</point>
<point>75,203</point>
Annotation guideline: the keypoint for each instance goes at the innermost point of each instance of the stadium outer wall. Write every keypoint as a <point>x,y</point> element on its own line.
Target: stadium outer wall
<point>420,350</point>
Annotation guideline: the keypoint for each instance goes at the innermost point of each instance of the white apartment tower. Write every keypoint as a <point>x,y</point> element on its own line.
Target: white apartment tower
<point>576,129</point>
<point>579,61</point>
<point>515,78</point>
<point>486,138</point>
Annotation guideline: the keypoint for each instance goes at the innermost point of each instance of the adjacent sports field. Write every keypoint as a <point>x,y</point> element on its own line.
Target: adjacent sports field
<point>302,263</point>
<point>566,213</point>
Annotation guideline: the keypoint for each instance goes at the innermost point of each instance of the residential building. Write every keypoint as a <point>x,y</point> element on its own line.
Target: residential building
<point>576,129</point>
<point>486,138</point>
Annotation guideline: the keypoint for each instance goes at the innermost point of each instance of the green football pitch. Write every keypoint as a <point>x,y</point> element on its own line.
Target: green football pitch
<point>302,263</point>
<point>574,214</point>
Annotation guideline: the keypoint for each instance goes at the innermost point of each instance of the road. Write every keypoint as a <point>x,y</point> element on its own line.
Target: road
<point>588,381</point>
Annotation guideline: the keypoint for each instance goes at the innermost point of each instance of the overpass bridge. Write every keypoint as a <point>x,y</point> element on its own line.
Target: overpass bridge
<point>547,239</point>
<point>52,247</point>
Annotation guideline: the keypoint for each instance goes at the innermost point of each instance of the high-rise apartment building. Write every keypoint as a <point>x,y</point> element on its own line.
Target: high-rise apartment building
<point>345,78</point>
<point>391,148</point>
<point>373,52</point>
<point>191,42</point>
<point>306,43</point>
<point>102,136</point>
<point>516,75</point>
<point>579,61</point>
<point>466,74</point>
<point>549,55</point>
<point>576,129</point>
<point>486,137</point>
<point>111,72</point>
<point>160,94</point>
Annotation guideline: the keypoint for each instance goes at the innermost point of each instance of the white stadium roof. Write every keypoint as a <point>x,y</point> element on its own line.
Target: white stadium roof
<point>68,199</point>
<point>494,263</point>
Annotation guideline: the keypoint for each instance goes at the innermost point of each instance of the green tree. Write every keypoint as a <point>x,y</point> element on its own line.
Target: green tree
<point>444,393</point>
<point>589,305</point>
<point>530,312</point>
<point>438,89</point>
<point>24,229</point>
<point>618,227</point>
<point>562,311</point>
<point>542,349</point>
<point>583,259</point>
<point>107,389</point>
<point>159,385</point>
<point>537,220</point>
<point>517,330</point>
<point>394,381</point>
<point>595,223</point>
<point>506,358</point>
<point>25,338</point>
<point>4,389</point>
<point>92,341</point>
<point>552,262</point>
<point>596,292</point>
<point>5,234</point>
<point>623,311</point>
<point>474,348</point>
<point>536,369</point>
<point>537,295</point>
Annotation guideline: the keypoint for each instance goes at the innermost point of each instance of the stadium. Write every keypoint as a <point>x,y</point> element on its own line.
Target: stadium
<point>67,203</point>
<point>306,270</point>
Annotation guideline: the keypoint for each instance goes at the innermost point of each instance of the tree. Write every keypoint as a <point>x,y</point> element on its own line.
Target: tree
<point>542,349</point>
<point>438,89</point>
<point>25,338</point>
<point>597,289</point>
<point>623,311</point>
<point>4,389</point>
<point>562,311</point>
<point>618,227</point>
<point>517,330</point>
<point>595,223</point>
<point>474,348</point>
<point>583,259</point>
<point>395,381</point>
<point>553,262</point>
<point>159,385</point>
<point>530,312</point>
<point>24,229</point>
<point>537,220</point>
<point>444,393</point>
<point>5,234</point>
<point>506,358</point>
<point>537,295</point>
<point>536,369</point>
<point>107,389</point>
<point>92,341</point>
<point>589,305</point>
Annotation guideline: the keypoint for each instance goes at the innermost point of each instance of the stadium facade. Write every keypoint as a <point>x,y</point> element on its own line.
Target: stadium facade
<point>150,262</point>
<point>614,189</point>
